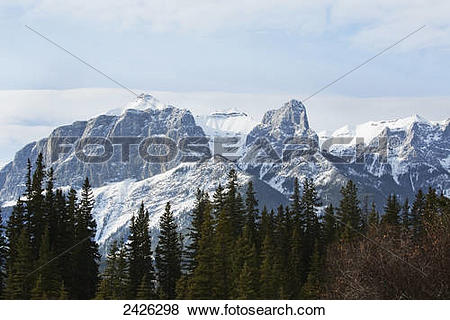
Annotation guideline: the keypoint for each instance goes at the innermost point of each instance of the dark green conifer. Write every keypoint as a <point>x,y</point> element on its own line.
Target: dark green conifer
<point>85,253</point>
<point>350,211</point>
<point>49,281</point>
<point>19,283</point>
<point>168,255</point>
<point>392,211</point>
<point>202,281</point>
<point>140,255</point>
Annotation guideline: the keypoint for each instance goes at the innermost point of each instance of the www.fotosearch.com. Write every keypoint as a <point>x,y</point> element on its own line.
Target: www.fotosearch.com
<point>193,309</point>
<point>261,310</point>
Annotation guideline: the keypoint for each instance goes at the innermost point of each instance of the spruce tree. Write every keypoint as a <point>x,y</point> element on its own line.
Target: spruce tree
<point>140,256</point>
<point>251,214</point>
<point>202,281</point>
<point>145,290</point>
<point>36,207</point>
<point>282,244</point>
<point>310,202</point>
<point>296,205</point>
<point>168,255</point>
<point>269,285</point>
<point>114,280</point>
<point>202,202</point>
<point>417,213</point>
<point>349,211</point>
<point>234,207</point>
<point>405,216</point>
<point>50,216</point>
<point>223,248</point>
<point>48,283</point>
<point>245,254</point>
<point>296,268</point>
<point>246,284</point>
<point>63,293</point>
<point>19,283</point>
<point>392,211</point>
<point>311,289</point>
<point>85,253</point>
<point>218,202</point>
<point>374,217</point>
<point>66,211</point>
<point>329,228</point>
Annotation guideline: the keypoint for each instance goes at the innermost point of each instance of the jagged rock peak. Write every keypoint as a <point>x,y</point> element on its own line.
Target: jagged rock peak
<point>291,113</point>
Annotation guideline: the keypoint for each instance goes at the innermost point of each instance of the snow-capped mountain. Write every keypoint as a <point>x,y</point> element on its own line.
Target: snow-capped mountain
<point>398,156</point>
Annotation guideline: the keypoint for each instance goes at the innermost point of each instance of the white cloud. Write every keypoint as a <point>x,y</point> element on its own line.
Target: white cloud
<point>365,23</point>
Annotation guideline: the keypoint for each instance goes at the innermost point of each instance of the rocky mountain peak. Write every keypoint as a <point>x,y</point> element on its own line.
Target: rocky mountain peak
<point>291,114</point>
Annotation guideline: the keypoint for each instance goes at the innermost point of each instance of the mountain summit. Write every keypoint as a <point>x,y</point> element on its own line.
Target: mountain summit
<point>417,155</point>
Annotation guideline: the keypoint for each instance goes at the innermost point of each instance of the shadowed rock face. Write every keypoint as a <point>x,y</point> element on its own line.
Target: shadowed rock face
<point>418,156</point>
<point>69,170</point>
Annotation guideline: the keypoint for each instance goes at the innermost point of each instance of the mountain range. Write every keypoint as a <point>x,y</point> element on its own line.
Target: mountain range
<point>398,156</point>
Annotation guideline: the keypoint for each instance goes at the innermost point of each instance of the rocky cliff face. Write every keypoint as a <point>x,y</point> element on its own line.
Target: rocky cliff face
<point>399,156</point>
<point>166,121</point>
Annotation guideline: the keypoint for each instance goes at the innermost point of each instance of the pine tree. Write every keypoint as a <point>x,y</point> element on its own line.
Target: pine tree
<point>310,202</point>
<point>431,209</point>
<point>106,286</point>
<point>19,282</point>
<point>202,202</point>
<point>392,211</point>
<point>246,284</point>
<point>38,293</point>
<point>48,284</point>
<point>405,216</point>
<point>417,213</point>
<point>374,217</point>
<point>50,216</point>
<point>140,255</point>
<point>66,211</point>
<point>35,207</point>
<point>296,205</point>
<point>282,236</point>
<point>234,206</point>
<point>312,287</point>
<point>296,268</point>
<point>114,282</point>
<point>223,247</point>
<point>85,253</point>
<point>251,214</point>
<point>202,281</point>
<point>349,210</point>
<point>63,293</point>
<point>168,255</point>
<point>269,286</point>
<point>329,225</point>
<point>145,290</point>
<point>245,254</point>
<point>218,202</point>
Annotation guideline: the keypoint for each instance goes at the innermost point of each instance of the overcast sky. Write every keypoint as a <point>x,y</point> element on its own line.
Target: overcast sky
<point>218,54</point>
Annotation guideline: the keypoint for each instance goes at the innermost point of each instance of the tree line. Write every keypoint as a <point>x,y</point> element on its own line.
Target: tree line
<point>231,250</point>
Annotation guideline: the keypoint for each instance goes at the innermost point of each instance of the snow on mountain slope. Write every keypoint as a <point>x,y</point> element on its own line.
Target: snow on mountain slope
<point>142,102</point>
<point>226,122</point>
<point>417,156</point>
<point>115,203</point>
<point>372,129</point>
<point>170,122</point>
